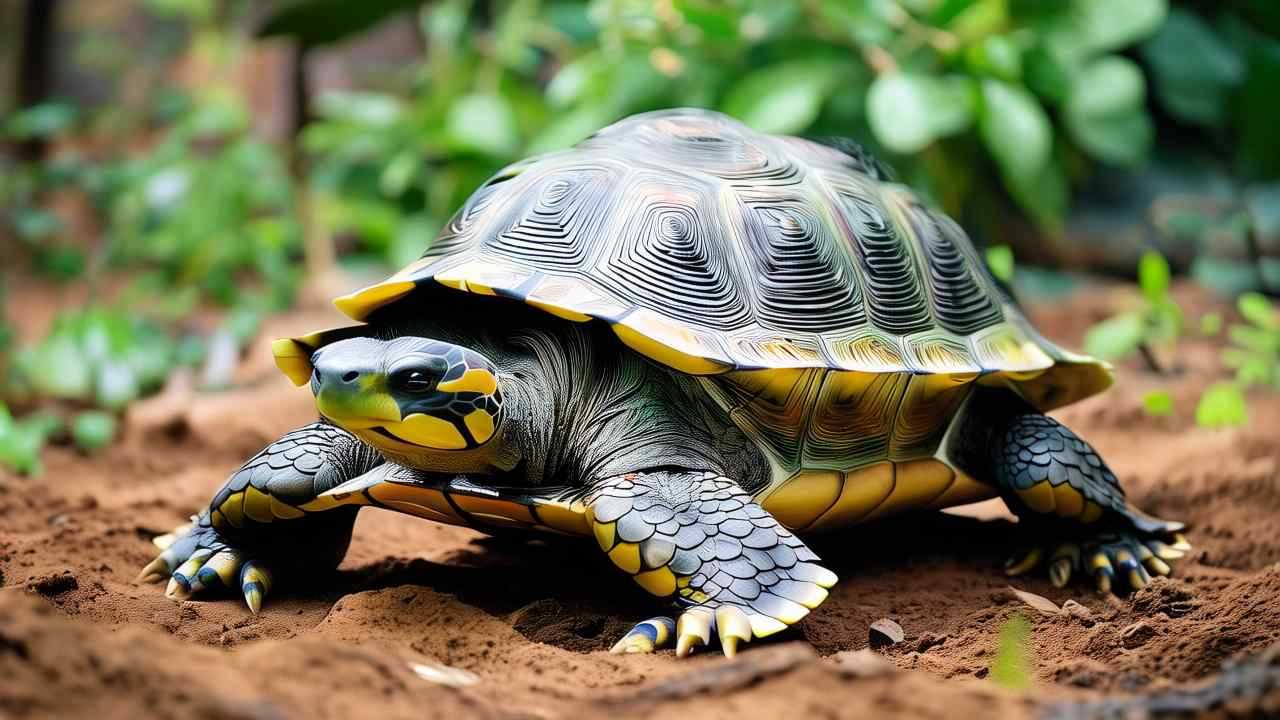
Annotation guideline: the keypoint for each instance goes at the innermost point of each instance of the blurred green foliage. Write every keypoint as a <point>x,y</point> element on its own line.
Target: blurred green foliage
<point>1157,321</point>
<point>964,95</point>
<point>1014,664</point>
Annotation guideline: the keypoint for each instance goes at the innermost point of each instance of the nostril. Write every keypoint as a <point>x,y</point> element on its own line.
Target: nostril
<point>348,377</point>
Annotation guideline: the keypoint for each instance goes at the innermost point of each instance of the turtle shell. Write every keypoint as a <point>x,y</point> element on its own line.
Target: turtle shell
<point>712,248</point>
<point>718,250</point>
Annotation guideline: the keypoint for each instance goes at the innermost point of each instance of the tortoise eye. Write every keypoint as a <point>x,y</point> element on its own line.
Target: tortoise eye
<point>413,380</point>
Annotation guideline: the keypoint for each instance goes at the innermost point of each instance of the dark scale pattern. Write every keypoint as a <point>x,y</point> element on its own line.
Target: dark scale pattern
<point>959,302</point>
<point>556,224</point>
<point>704,528</point>
<point>1036,448</point>
<point>895,296</point>
<point>669,254</point>
<point>805,282</point>
<point>301,464</point>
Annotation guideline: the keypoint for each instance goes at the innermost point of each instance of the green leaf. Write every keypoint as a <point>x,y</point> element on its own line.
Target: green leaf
<point>1222,405</point>
<point>321,22</point>
<point>1255,308</point>
<point>1106,113</point>
<point>785,98</point>
<point>485,124</point>
<point>1258,134</point>
<point>1158,403</point>
<point>1194,69</point>
<point>1013,665</point>
<point>907,112</point>
<point>1106,25</point>
<point>1000,260</point>
<point>1211,323</point>
<point>1115,337</point>
<point>93,430</point>
<point>1153,276</point>
<point>1015,129</point>
<point>41,121</point>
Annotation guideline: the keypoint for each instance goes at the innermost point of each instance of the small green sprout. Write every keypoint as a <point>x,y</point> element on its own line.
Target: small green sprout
<point>1000,261</point>
<point>1210,324</point>
<point>1255,346</point>
<point>1158,321</point>
<point>93,430</point>
<point>1013,664</point>
<point>1222,405</point>
<point>1158,403</point>
<point>21,440</point>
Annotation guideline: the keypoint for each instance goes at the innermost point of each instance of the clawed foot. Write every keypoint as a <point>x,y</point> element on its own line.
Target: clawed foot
<point>1114,559</point>
<point>694,629</point>
<point>195,559</point>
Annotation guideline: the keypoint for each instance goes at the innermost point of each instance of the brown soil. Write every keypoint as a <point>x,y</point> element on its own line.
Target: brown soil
<point>533,620</point>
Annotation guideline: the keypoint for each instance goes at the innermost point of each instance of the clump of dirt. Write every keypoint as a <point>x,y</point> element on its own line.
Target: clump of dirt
<point>533,619</point>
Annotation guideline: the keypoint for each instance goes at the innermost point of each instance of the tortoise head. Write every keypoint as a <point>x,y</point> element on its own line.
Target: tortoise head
<point>425,403</point>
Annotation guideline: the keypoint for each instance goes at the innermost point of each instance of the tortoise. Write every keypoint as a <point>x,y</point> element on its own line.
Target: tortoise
<point>686,341</point>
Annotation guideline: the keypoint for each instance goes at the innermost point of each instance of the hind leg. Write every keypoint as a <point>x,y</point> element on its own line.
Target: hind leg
<point>1077,518</point>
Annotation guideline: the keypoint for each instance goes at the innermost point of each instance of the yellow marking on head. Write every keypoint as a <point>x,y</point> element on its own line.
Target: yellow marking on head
<point>1039,497</point>
<point>804,497</point>
<point>1068,502</point>
<point>359,304</point>
<point>641,342</point>
<point>428,431</point>
<point>865,489</point>
<point>294,359</point>
<point>257,505</point>
<point>605,534</point>
<point>563,518</point>
<point>627,557</point>
<point>660,582</point>
<point>285,511</point>
<point>493,507</point>
<point>476,380</point>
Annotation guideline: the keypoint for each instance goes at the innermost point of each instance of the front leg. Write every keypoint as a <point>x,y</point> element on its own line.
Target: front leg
<point>697,539</point>
<point>268,519</point>
<point>1075,509</point>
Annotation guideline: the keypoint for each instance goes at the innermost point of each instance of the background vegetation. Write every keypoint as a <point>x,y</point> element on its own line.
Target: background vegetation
<point>197,158</point>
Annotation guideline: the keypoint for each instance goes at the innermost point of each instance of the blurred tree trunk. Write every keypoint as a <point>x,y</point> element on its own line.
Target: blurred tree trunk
<point>35,65</point>
<point>322,279</point>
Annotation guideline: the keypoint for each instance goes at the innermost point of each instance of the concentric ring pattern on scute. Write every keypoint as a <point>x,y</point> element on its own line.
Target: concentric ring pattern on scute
<point>714,249</point>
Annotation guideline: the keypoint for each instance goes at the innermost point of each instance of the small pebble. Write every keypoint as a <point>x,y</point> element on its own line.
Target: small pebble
<point>1137,634</point>
<point>885,632</point>
<point>862,664</point>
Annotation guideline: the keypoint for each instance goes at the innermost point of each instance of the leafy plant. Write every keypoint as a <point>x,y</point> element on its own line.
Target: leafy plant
<point>1255,344</point>
<point>1158,320</point>
<point>22,440</point>
<point>1222,405</point>
<point>96,356</point>
<point>965,94</point>
<point>1014,665</point>
<point>1158,403</point>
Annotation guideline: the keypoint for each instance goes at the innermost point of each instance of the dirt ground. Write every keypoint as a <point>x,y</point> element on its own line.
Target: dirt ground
<point>533,620</point>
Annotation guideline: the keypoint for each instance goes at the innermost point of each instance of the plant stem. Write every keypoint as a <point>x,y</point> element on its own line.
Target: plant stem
<point>1149,357</point>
